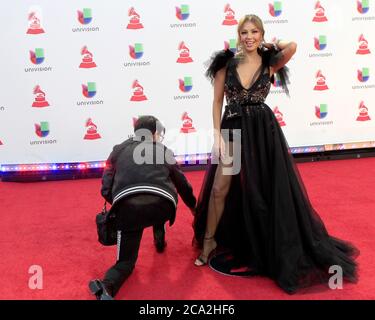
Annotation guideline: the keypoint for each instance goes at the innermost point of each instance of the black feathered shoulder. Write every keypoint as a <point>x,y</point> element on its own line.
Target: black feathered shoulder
<point>218,61</point>
<point>271,57</point>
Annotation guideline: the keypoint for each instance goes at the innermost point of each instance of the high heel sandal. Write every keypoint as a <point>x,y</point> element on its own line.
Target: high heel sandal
<point>203,259</point>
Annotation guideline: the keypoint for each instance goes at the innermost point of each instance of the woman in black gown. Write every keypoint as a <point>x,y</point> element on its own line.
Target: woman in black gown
<point>261,213</point>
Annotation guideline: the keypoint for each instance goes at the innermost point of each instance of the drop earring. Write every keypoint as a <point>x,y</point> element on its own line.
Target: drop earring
<point>240,48</point>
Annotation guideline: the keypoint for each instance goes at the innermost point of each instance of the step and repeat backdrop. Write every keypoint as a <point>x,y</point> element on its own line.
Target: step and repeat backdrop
<point>75,75</point>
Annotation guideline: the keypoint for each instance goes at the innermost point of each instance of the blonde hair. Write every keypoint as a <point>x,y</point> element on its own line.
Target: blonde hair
<point>254,19</point>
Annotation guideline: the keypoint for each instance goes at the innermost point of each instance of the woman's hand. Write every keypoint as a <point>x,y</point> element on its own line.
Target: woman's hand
<point>268,45</point>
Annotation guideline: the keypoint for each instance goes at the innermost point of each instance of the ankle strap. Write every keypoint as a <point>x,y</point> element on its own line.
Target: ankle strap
<point>208,238</point>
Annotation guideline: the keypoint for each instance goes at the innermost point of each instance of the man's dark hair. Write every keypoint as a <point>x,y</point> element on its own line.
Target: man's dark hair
<point>148,123</point>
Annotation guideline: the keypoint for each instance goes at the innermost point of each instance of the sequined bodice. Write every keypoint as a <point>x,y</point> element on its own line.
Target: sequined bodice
<point>235,93</point>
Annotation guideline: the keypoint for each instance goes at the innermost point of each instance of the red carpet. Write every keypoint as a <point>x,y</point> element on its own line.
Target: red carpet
<point>51,224</point>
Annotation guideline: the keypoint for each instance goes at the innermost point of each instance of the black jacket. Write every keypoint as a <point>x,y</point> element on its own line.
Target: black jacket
<point>125,175</point>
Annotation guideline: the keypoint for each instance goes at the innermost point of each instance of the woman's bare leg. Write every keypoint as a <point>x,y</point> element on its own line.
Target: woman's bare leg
<point>216,205</point>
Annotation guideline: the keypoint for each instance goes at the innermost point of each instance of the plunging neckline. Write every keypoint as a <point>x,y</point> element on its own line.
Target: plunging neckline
<point>251,84</point>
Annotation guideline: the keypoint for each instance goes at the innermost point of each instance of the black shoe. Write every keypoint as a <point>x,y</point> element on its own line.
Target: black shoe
<point>159,239</point>
<point>101,291</point>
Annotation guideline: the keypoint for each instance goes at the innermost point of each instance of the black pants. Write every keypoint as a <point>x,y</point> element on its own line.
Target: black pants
<point>133,215</point>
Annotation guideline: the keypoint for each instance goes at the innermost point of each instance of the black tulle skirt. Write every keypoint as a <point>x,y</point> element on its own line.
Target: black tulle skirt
<point>269,224</point>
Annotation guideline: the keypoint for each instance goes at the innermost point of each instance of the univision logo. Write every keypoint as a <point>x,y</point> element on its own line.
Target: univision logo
<point>186,85</point>
<point>276,83</point>
<point>277,87</point>
<point>42,129</point>
<point>363,75</point>
<point>363,6</point>
<point>321,111</point>
<point>136,51</point>
<point>275,9</point>
<point>85,16</point>
<point>37,56</point>
<point>320,43</point>
<point>182,13</point>
<point>89,90</point>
